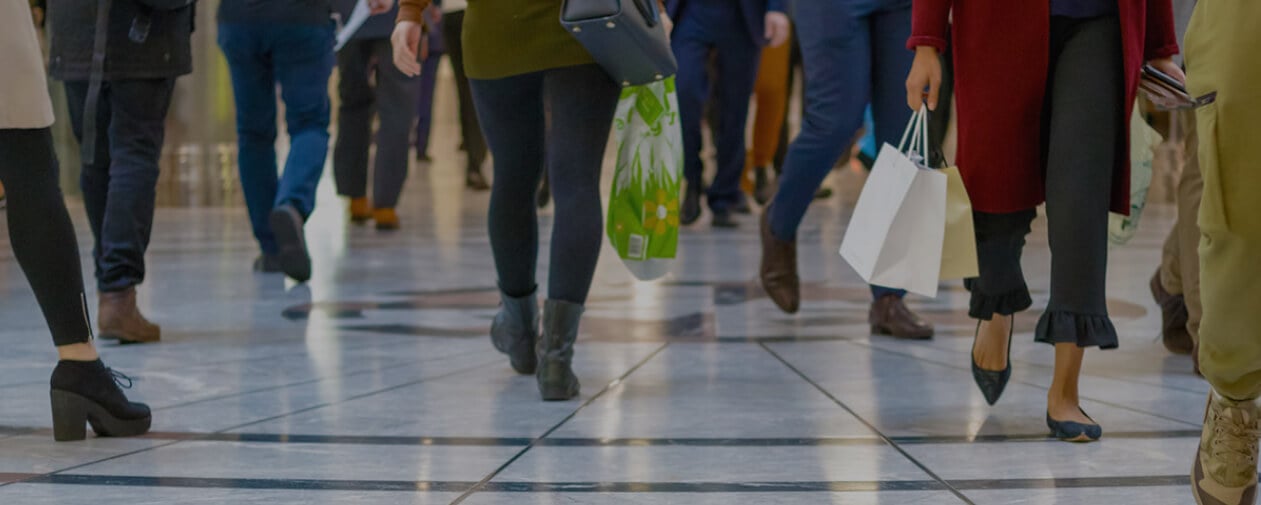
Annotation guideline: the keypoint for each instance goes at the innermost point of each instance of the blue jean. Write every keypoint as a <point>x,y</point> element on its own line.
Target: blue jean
<point>704,27</point>
<point>854,53</point>
<point>120,187</point>
<point>298,57</point>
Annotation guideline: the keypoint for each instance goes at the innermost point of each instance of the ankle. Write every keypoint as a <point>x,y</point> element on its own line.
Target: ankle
<point>77,352</point>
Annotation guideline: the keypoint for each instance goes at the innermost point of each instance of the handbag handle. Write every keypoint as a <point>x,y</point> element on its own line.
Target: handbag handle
<point>651,16</point>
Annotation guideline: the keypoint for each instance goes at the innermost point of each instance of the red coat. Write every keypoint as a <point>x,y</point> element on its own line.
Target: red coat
<point>1000,52</point>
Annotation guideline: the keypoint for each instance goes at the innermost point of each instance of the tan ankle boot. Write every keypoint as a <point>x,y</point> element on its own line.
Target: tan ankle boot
<point>120,319</point>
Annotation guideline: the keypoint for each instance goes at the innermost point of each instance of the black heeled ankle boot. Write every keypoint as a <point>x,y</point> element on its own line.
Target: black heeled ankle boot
<point>87,392</point>
<point>992,382</point>
<point>555,349</point>
<point>515,330</point>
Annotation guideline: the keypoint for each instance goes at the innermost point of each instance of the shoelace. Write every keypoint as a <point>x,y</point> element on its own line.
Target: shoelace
<point>121,379</point>
<point>1235,442</point>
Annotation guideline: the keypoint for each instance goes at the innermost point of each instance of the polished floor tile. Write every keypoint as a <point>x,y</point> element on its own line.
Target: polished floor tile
<point>376,382</point>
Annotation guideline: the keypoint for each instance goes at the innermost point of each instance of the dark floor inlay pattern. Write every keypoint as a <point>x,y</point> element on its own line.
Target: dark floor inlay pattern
<point>607,487</point>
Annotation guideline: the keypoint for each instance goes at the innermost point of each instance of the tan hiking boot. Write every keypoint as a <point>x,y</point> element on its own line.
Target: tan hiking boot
<point>1225,470</point>
<point>120,319</point>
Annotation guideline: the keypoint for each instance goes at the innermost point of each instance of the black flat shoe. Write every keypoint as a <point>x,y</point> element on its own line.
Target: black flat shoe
<point>691,210</point>
<point>88,393</point>
<point>992,383</point>
<point>1070,431</point>
<point>725,219</point>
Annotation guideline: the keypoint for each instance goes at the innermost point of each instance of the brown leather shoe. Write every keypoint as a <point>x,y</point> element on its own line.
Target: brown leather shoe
<point>890,316</point>
<point>779,269</point>
<point>360,210</point>
<point>1173,317</point>
<point>120,319</point>
<point>386,219</point>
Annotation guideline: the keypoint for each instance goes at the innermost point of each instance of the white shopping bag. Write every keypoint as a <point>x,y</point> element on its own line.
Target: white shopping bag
<point>896,234</point>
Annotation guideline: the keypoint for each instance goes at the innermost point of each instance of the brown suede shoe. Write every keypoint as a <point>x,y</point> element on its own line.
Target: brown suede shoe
<point>890,316</point>
<point>1173,317</point>
<point>120,319</point>
<point>779,269</point>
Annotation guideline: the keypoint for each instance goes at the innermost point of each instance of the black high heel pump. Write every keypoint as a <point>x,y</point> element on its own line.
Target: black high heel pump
<point>992,383</point>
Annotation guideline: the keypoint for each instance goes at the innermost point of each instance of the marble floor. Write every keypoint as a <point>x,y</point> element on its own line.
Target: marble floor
<point>376,382</point>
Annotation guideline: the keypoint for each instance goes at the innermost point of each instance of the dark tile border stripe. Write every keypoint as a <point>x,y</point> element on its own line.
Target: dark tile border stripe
<point>281,438</point>
<point>604,487</point>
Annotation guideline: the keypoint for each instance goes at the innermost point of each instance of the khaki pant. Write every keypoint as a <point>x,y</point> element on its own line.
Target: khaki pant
<point>1180,264</point>
<point>1222,56</point>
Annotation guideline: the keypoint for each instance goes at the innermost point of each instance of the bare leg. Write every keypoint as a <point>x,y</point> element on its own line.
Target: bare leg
<point>1061,401</point>
<point>990,351</point>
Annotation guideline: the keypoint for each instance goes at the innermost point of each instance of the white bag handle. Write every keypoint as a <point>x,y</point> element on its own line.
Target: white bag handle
<point>919,141</point>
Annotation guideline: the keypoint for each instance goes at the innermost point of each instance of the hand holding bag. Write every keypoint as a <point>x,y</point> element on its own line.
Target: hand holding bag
<point>626,37</point>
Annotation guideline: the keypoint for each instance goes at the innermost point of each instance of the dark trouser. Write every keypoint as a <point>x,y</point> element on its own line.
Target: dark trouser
<point>702,28</point>
<point>565,113</point>
<point>300,58</point>
<point>120,187</point>
<point>393,100</point>
<point>1081,120</point>
<point>428,84</point>
<point>854,53</point>
<point>41,233</point>
<point>470,128</point>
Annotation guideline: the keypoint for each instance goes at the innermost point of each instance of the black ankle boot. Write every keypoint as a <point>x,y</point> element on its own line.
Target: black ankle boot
<point>555,349</point>
<point>86,392</point>
<point>516,329</point>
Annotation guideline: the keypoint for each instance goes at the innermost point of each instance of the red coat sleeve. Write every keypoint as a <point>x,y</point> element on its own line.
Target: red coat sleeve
<point>930,22</point>
<point>1162,41</point>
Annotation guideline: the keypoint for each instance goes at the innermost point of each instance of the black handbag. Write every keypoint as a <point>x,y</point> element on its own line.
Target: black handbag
<point>626,37</point>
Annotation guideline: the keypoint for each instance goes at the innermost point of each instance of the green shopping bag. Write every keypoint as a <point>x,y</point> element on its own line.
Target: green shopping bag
<point>1143,141</point>
<point>643,223</point>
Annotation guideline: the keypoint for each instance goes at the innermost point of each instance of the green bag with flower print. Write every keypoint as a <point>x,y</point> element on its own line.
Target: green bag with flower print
<point>643,222</point>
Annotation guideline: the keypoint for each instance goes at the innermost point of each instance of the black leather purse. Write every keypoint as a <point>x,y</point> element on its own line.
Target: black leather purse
<point>626,37</point>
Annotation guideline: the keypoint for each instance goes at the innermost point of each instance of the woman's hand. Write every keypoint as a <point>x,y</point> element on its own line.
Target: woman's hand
<point>1162,96</point>
<point>406,42</point>
<point>925,74</point>
<point>778,28</point>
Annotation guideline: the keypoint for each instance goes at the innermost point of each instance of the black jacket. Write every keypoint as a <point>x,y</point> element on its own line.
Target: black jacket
<point>164,51</point>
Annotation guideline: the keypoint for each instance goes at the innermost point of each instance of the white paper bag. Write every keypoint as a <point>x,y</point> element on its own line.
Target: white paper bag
<point>896,234</point>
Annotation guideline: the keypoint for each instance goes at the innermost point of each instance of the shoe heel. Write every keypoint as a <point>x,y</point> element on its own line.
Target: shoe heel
<point>70,416</point>
<point>556,382</point>
<point>878,330</point>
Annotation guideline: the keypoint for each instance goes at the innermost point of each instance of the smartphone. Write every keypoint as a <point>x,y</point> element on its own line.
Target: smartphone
<point>1152,74</point>
<point>1157,83</point>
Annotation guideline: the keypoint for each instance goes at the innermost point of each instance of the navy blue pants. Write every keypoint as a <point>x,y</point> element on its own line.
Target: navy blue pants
<point>298,57</point>
<point>854,53</point>
<point>706,26</point>
<point>120,186</point>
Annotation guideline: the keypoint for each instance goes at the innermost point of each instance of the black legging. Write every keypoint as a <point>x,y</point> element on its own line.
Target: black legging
<point>565,113</point>
<point>41,233</point>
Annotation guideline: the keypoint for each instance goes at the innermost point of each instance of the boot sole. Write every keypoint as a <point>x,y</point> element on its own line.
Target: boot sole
<point>881,330</point>
<point>72,413</point>
<point>125,340</point>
